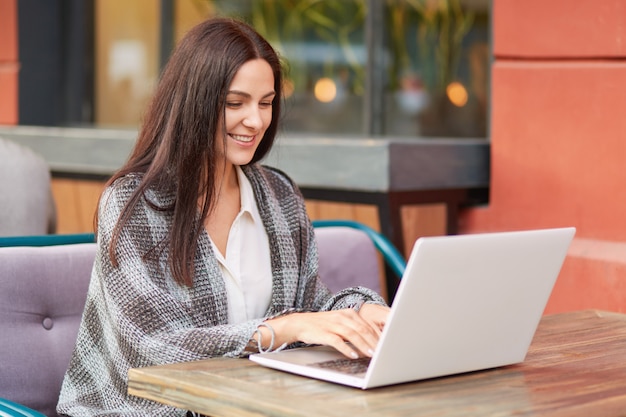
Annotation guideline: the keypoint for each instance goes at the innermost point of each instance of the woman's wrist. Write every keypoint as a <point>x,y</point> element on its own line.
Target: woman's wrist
<point>266,338</point>
<point>263,340</point>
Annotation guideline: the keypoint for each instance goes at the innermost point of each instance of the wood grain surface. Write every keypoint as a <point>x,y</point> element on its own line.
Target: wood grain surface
<point>576,366</point>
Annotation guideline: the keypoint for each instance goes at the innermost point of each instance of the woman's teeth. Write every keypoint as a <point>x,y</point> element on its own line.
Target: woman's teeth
<point>242,138</point>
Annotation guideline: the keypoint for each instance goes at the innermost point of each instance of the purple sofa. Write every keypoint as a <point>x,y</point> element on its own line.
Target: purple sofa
<point>43,290</point>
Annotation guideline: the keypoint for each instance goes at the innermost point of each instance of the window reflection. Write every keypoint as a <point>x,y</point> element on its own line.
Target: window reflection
<point>438,78</point>
<point>126,60</point>
<point>436,61</point>
<point>325,54</point>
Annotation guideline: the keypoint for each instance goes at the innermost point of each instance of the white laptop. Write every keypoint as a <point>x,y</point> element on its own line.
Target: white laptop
<point>465,303</point>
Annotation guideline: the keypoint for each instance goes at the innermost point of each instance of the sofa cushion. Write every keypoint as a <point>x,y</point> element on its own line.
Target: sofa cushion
<point>347,258</point>
<point>42,295</point>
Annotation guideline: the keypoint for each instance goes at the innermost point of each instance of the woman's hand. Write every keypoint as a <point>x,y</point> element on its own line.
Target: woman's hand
<point>332,328</point>
<point>375,315</point>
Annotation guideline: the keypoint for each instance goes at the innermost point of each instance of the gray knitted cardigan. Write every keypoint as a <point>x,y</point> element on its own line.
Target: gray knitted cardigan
<point>136,315</point>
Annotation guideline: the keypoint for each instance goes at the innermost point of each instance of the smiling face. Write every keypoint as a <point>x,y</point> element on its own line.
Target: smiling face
<point>248,111</point>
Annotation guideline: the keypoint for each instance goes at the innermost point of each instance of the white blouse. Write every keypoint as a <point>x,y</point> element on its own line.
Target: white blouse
<point>246,267</point>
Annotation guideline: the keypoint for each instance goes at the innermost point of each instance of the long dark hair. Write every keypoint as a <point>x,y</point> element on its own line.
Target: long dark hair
<point>176,147</point>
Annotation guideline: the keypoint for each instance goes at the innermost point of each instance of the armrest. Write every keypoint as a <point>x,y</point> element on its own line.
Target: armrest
<point>47,240</point>
<point>11,409</point>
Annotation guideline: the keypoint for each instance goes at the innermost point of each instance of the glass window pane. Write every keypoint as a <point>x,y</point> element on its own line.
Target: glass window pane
<point>126,59</point>
<point>436,62</point>
<point>323,45</point>
<point>439,69</point>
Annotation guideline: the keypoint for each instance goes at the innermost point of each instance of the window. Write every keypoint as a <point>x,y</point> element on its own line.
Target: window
<point>409,68</point>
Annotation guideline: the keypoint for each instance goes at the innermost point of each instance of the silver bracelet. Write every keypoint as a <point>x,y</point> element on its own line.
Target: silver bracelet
<point>257,344</point>
<point>260,341</point>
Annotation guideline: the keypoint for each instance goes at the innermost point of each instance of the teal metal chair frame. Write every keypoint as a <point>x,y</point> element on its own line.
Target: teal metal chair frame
<point>12,409</point>
<point>47,240</point>
<point>393,258</point>
<point>391,255</point>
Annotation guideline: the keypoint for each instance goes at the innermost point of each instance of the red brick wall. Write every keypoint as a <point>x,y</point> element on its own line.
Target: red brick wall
<point>9,65</point>
<point>558,139</point>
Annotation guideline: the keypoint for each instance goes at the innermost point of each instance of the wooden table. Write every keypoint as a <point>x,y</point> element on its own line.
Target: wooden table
<point>576,366</point>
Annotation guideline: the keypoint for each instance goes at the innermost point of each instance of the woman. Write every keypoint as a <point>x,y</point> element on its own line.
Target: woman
<point>202,252</point>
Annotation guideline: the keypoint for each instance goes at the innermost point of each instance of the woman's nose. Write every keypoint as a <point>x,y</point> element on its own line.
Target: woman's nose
<point>253,118</point>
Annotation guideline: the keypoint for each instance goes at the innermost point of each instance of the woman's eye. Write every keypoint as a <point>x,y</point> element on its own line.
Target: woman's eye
<point>233,104</point>
<point>266,104</point>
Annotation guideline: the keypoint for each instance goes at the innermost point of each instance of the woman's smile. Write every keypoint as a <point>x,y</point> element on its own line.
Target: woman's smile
<point>242,138</point>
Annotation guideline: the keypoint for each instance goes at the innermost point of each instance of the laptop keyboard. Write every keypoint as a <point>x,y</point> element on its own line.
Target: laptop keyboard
<point>346,365</point>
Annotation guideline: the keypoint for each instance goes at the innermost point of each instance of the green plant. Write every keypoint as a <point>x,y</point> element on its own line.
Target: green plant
<point>441,26</point>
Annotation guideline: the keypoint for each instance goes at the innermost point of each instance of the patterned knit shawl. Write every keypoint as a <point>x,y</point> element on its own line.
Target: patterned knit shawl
<point>137,315</point>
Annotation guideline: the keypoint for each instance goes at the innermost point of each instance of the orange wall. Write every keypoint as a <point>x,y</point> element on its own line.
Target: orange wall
<point>558,139</point>
<point>9,65</point>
